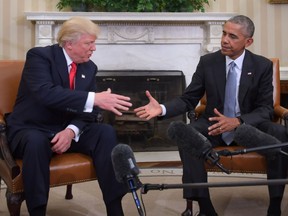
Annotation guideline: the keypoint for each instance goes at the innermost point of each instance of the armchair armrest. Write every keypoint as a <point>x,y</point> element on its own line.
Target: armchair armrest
<point>8,166</point>
<point>282,113</point>
<point>2,122</point>
<point>194,114</point>
<point>200,109</point>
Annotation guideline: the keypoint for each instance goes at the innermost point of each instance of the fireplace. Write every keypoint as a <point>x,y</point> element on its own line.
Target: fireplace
<point>140,134</point>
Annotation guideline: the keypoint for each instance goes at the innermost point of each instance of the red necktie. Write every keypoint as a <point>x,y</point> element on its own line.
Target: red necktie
<point>72,74</point>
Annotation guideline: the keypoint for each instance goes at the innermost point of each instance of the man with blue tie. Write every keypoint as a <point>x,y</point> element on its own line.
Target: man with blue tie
<point>56,111</point>
<point>238,88</point>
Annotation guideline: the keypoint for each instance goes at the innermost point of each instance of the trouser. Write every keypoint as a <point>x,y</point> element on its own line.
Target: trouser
<point>277,167</point>
<point>34,148</point>
<point>194,169</point>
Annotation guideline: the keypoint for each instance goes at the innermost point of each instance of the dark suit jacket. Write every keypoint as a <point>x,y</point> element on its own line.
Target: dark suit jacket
<point>255,90</point>
<point>44,100</point>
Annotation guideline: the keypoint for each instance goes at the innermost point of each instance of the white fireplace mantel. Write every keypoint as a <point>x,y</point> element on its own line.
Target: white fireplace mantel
<point>164,41</point>
<point>47,23</point>
<point>131,16</point>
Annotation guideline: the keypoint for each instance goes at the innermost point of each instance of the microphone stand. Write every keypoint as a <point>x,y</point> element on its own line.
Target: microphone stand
<point>146,187</point>
<point>133,184</point>
<point>254,149</point>
<point>212,158</point>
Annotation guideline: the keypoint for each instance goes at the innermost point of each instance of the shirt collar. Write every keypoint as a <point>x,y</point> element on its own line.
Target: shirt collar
<point>68,59</point>
<point>238,61</point>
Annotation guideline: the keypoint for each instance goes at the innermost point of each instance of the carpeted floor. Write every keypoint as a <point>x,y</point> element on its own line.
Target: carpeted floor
<point>234,201</point>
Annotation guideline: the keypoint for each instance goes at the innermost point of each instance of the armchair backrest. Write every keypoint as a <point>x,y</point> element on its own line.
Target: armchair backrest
<point>276,81</point>
<point>10,74</point>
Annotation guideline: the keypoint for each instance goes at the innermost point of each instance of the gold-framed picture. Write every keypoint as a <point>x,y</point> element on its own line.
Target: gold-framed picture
<point>278,1</point>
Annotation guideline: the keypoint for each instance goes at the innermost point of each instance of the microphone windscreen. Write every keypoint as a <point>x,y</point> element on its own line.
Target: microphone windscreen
<point>124,163</point>
<point>188,139</point>
<point>250,137</point>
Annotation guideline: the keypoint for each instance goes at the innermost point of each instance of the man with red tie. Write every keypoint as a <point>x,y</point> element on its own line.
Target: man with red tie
<point>56,111</point>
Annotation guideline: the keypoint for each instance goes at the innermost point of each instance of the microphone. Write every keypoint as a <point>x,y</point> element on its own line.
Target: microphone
<point>252,138</point>
<point>193,142</point>
<point>126,171</point>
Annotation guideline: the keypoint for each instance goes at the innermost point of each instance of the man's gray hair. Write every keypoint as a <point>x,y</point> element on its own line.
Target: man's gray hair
<point>246,22</point>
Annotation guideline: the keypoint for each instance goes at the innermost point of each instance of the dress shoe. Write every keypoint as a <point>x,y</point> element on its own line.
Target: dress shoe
<point>200,214</point>
<point>187,212</point>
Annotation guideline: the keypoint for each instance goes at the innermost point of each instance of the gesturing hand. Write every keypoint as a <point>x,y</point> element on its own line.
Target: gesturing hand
<point>223,123</point>
<point>112,102</point>
<point>150,110</point>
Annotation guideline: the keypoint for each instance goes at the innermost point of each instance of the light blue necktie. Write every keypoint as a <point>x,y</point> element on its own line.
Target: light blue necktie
<point>230,100</point>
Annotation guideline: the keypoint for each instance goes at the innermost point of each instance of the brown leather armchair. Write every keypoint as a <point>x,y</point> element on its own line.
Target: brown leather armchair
<point>251,162</point>
<point>65,169</point>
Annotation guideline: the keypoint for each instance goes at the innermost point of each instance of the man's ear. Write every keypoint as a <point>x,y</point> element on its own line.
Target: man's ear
<point>68,44</point>
<point>249,41</point>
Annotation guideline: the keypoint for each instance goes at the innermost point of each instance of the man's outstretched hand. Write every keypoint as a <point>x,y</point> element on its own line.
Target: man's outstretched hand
<point>149,110</point>
<point>112,102</point>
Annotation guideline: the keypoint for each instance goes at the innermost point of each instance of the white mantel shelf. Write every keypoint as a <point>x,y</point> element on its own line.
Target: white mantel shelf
<point>130,16</point>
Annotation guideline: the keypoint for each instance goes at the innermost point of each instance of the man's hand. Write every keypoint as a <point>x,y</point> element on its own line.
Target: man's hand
<point>150,110</point>
<point>223,124</point>
<point>61,142</point>
<point>112,102</point>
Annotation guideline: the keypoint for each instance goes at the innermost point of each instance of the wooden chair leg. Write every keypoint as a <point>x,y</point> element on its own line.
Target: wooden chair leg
<point>14,201</point>
<point>69,194</point>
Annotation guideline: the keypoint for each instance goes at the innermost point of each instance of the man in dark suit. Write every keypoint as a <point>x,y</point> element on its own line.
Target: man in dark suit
<point>53,116</point>
<point>253,103</point>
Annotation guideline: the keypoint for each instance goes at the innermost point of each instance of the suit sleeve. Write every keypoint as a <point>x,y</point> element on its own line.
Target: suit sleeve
<point>191,96</point>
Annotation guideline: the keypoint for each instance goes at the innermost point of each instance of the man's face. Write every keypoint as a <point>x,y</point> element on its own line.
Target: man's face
<point>234,40</point>
<point>81,50</point>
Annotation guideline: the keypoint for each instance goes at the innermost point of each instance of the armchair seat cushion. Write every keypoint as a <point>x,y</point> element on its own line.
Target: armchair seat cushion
<point>68,168</point>
<point>242,163</point>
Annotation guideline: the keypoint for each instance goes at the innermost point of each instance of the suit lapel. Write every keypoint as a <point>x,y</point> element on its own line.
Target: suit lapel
<point>61,65</point>
<point>81,77</point>
<point>219,75</point>
<point>84,76</point>
<point>246,78</point>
